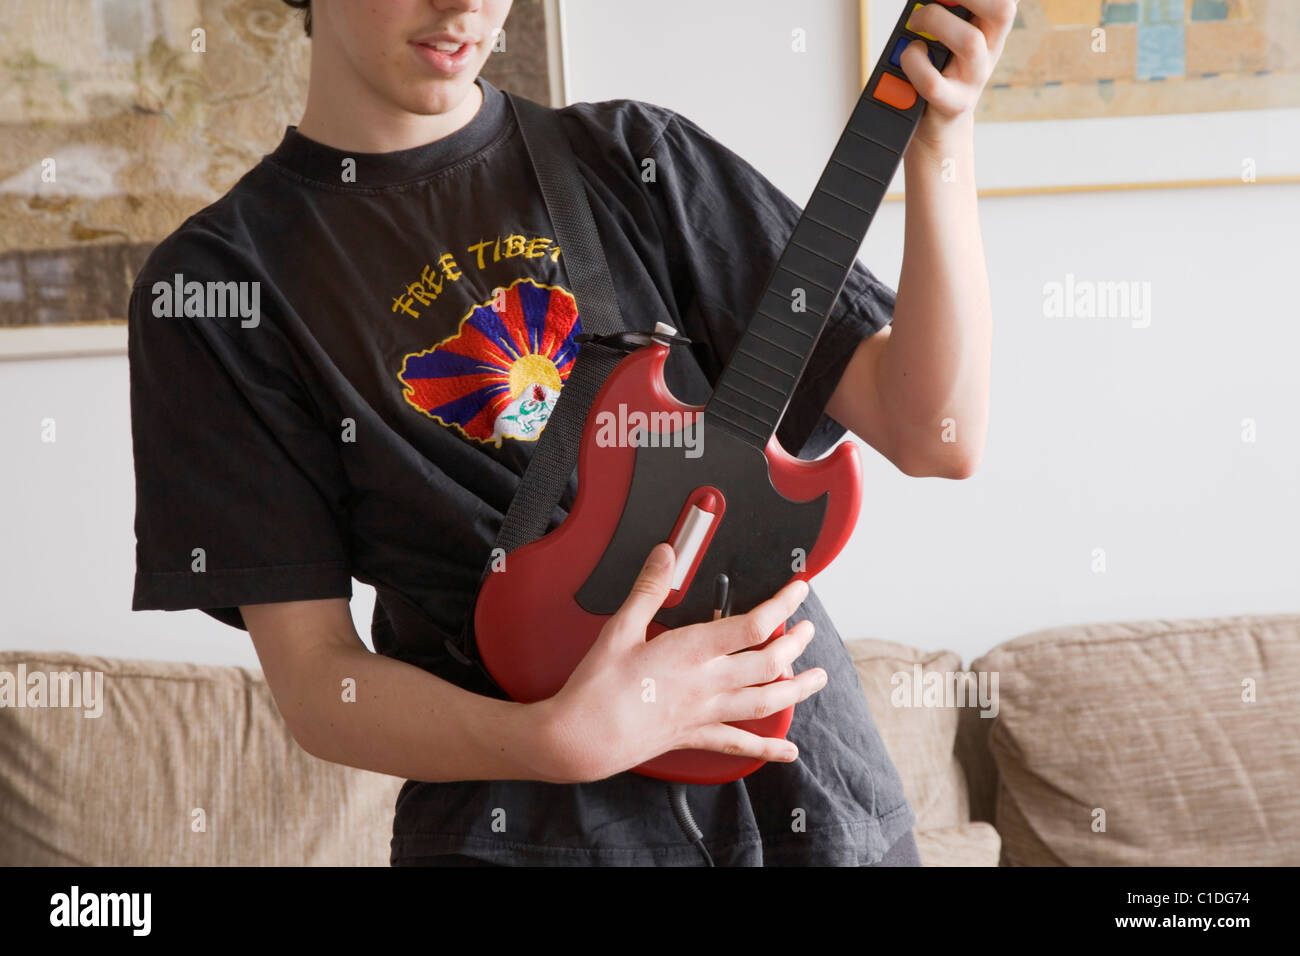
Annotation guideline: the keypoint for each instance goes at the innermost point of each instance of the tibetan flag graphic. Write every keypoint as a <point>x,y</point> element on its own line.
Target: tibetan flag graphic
<point>500,375</point>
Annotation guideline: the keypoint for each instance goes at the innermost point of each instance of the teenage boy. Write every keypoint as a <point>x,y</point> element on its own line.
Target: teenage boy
<point>403,328</point>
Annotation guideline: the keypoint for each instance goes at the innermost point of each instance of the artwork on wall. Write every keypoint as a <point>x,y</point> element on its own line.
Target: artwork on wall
<point>1135,93</point>
<point>529,60</point>
<point>115,127</point>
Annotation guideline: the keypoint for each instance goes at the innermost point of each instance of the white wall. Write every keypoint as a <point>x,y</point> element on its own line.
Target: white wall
<point>1103,435</point>
<point>67,541</point>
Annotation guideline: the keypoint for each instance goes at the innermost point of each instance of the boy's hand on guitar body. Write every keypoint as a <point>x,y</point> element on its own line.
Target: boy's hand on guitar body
<point>632,699</point>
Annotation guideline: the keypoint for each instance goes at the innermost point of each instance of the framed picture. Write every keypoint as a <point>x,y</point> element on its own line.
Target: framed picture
<point>1122,94</point>
<point>120,119</point>
<point>529,59</point>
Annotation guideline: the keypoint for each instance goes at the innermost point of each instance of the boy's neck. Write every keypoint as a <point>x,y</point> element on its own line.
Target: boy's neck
<point>365,124</point>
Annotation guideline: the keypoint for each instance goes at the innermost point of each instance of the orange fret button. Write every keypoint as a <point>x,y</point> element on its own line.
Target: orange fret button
<point>897,93</point>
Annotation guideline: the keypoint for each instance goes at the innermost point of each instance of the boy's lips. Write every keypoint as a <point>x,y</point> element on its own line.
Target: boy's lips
<point>446,53</point>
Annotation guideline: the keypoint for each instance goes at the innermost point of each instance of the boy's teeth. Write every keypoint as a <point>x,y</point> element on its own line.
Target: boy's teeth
<point>444,46</point>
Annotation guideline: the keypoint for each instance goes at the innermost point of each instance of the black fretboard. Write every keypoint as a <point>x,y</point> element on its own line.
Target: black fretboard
<point>754,389</point>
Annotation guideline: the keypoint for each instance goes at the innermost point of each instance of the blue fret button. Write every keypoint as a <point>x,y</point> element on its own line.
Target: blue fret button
<point>895,58</point>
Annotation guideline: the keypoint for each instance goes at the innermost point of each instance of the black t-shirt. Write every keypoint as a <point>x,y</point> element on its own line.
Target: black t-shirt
<point>354,406</point>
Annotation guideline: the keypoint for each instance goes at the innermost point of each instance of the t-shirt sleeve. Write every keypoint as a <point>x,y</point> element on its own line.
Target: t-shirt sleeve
<point>726,225</point>
<point>241,497</point>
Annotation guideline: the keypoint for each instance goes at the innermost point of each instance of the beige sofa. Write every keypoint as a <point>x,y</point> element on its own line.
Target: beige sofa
<point>1159,742</point>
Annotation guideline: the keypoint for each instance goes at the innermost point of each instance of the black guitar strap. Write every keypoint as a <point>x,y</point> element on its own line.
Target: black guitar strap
<point>556,454</point>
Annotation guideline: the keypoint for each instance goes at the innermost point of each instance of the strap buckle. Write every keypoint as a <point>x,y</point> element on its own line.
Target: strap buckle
<point>630,341</point>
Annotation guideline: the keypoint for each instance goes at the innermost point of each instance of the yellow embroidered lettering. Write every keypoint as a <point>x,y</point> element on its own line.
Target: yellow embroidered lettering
<point>449,267</point>
<point>416,291</point>
<point>432,280</point>
<point>478,248</point>
<point>403,303</point>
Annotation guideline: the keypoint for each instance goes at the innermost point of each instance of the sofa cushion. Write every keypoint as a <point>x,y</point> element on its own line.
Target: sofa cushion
<point>1184,734</point>
<point>973,727</point>
<point>967,844</point>
<point>187,764</point>
<point>920,739</point>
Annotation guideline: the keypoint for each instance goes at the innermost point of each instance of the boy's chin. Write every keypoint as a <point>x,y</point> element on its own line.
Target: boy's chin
<point>436,98</point>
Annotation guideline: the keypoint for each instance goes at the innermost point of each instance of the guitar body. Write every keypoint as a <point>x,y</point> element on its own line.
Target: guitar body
<point>741,506</point>
<point>766,516</point>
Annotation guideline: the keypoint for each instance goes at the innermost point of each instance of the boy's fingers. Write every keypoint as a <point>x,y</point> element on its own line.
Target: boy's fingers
<point>725,739</point>
<point>755,703</point>
<point>757,626</point>
<point>750,668</point>
<point>648,591</point>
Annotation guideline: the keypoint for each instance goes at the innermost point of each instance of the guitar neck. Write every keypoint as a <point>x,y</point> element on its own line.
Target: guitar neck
<point>755,388</point>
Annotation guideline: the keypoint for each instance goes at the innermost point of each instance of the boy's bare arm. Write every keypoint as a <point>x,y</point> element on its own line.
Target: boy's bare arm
<point>409,723</point>
<point>918,392</point>
<point>403,720</point>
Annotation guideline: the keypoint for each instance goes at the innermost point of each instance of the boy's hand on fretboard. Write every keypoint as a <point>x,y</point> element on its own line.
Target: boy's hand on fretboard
<point>975,46</point>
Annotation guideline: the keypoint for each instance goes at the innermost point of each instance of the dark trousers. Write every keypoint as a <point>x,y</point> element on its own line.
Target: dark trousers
<point>902,853</point>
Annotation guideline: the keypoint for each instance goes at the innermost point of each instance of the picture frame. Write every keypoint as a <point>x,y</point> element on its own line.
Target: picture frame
<point>67,340</point>
<point>117,129</point>
<point>533,64</point>
<point>1098,150</point>
<point>121,120</point>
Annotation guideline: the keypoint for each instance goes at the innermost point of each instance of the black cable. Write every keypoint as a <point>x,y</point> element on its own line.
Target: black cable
<point>677,791</point>
<point>682,811</point>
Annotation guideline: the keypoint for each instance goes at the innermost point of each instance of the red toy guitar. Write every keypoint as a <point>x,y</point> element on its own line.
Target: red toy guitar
<point>743,507</point>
